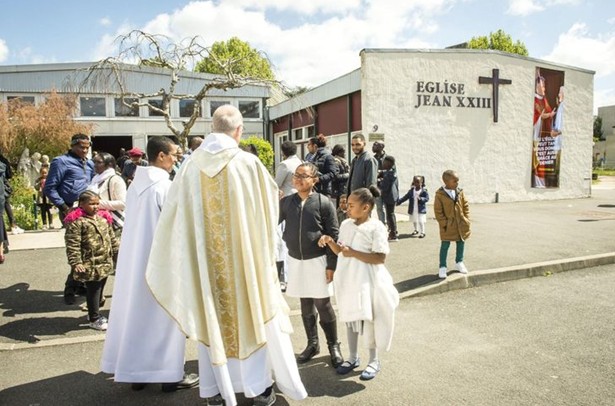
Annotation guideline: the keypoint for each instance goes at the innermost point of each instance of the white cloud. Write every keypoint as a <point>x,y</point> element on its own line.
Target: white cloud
<point>523,7</point>
<point>527,7</point>
<point>105,22</point>
<point>4,50</point>
<point>578,48</point>
<point>107,46</point>
<point>307,54</point>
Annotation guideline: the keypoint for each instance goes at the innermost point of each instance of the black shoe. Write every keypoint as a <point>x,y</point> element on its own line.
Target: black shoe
<point>69,298</point>
<point>189,381</point>
<point>137,386</point>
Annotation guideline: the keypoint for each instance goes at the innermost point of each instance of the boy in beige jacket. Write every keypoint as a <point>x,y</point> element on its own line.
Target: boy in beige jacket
<point>453,216</point>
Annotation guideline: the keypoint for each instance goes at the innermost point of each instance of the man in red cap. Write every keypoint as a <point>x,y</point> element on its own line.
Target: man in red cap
<point>130,167</point>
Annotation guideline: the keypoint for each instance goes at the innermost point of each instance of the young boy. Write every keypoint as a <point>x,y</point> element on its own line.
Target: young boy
<point>453,216</point>
<point>389,187</point>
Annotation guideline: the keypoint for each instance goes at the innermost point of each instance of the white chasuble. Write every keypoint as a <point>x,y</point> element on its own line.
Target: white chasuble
<point>212,267</point>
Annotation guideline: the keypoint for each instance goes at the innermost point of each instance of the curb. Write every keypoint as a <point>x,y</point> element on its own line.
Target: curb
<point>453,282</point>
<point>486,277</point>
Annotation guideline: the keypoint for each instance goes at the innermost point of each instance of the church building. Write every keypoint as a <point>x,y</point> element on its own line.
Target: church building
<point>514,128</point>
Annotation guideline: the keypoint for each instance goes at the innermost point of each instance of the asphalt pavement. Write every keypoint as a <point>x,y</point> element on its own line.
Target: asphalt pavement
<point>509,241</point>
<point>535,341</point>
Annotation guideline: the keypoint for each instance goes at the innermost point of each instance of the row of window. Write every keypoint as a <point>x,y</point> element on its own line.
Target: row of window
<point>97,107</point>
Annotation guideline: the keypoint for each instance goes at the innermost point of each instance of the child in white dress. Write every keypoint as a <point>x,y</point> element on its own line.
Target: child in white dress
<point>364,291</point>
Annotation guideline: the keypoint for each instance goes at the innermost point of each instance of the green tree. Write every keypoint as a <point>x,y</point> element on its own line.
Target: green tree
<point>236,58</point>
<point>263,150</point>
<point>499,41</point>
<point>598,132</point>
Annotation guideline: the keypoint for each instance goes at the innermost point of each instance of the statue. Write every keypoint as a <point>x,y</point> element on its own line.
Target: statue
<point>35,168</point>
<point>23,167</point>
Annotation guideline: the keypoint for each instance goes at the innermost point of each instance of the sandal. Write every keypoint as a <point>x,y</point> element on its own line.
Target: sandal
<point>370,372</point>
<point>347,366</point>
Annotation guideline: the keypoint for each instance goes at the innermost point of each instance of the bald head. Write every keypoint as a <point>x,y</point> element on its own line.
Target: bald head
<point>227,119</point>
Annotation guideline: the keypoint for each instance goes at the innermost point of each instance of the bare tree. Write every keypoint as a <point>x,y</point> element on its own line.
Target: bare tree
<point>139,49</point>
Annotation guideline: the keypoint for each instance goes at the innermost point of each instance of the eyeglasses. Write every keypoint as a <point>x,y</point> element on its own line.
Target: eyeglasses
<point>302,177</point>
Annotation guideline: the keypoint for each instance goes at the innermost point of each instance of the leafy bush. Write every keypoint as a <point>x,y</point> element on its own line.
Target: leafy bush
<point>263,148</point>
<point>22,201</point>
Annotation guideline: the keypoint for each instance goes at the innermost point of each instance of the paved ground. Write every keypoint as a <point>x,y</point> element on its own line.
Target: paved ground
<point>452,348</point>
<point>537,341</point>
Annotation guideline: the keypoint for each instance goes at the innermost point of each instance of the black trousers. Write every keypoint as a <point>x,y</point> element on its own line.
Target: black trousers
<point>389,208</point>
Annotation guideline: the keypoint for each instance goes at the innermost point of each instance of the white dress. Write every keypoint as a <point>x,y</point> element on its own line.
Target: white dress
<point>365,291</point>
<point>143,343</point>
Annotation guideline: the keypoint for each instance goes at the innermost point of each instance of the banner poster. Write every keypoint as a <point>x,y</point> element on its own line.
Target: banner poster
<point>548,126</point>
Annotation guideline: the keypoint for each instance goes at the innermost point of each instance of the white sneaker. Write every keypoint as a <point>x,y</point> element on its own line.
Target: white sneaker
<point>101,324</point>
<point>17,230</point>
<point>442,273</point>
<point>462,268</point>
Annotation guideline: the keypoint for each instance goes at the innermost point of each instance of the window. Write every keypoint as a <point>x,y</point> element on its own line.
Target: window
<point>186,107</point>
<point>250,109</point>
<point>310,131</point>
<point>121,110</point>
<point>213,105</point>
<point>155,103</point>
<point>21,99</point>
<point>298,134</point>
<point>93,106</point>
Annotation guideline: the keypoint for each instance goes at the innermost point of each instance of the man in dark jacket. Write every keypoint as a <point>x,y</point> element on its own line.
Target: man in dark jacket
<point>69,176</point>
<point>327,167</point>
<point>364,167</point>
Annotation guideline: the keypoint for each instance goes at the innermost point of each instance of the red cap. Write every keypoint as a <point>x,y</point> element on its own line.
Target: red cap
<point>135,152</point>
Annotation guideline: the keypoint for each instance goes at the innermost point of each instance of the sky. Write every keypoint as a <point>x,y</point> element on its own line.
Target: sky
<point>310,42</point>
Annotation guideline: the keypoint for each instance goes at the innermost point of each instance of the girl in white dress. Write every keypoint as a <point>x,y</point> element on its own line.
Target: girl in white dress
<point>364,291</point>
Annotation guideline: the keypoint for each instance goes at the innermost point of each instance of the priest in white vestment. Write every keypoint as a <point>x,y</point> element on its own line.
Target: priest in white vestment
<point>143,344</point>
<point>212,267</point>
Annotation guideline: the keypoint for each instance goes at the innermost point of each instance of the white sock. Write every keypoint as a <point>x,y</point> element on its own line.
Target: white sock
<point>353,345</point>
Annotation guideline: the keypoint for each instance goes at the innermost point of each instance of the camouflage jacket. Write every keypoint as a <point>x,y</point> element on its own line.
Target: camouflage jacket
<point>90,241</point>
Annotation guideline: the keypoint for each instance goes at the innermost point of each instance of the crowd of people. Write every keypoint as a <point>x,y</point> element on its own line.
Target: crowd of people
<point>203,246</point>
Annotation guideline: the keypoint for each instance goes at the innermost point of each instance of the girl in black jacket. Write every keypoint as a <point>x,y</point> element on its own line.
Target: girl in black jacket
<point>308,216</point>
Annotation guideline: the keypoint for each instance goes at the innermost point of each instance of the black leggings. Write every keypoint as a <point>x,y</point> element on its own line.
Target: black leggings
<point>92,297</point>
<point>322,305</point>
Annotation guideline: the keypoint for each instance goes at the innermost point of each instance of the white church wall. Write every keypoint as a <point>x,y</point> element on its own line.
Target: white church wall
<point>489,157</point>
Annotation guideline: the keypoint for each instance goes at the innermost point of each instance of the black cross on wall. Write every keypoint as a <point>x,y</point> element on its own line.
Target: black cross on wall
<point>495,81</point>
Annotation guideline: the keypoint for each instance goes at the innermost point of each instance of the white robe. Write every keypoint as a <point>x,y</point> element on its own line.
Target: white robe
<point>214,271</point>
<point>143,344</point>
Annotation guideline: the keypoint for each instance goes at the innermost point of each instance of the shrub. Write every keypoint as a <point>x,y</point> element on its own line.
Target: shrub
<point>263,148</point>
<point>22,201</point>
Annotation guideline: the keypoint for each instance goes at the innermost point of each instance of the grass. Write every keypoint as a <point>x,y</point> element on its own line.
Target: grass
<point>604,172</point>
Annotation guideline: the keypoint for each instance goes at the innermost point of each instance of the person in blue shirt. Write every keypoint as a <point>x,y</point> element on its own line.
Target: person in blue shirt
<point>69,176</point>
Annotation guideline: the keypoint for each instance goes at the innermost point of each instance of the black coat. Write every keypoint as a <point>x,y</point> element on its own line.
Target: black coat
<point>306,224</point>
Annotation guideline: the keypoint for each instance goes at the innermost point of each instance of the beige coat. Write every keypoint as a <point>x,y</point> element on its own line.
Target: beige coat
<point>453,216</point>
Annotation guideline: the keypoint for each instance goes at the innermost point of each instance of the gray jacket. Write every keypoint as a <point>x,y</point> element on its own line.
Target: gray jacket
<point>363,171</point>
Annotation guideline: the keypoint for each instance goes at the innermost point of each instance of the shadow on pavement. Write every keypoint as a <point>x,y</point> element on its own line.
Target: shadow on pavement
<point>320,379</point>
<point>32,330</point>
<point>81,387</point>
<point>20,299</point>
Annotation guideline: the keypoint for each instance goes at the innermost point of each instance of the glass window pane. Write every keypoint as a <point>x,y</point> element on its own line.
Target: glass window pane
<point>22,99</point>
<point>156,103</point>
<point>93,107</point>
<point>121,110</point>
<point>249,109</point>
<point>186,107</point>
<point>213,105</point>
